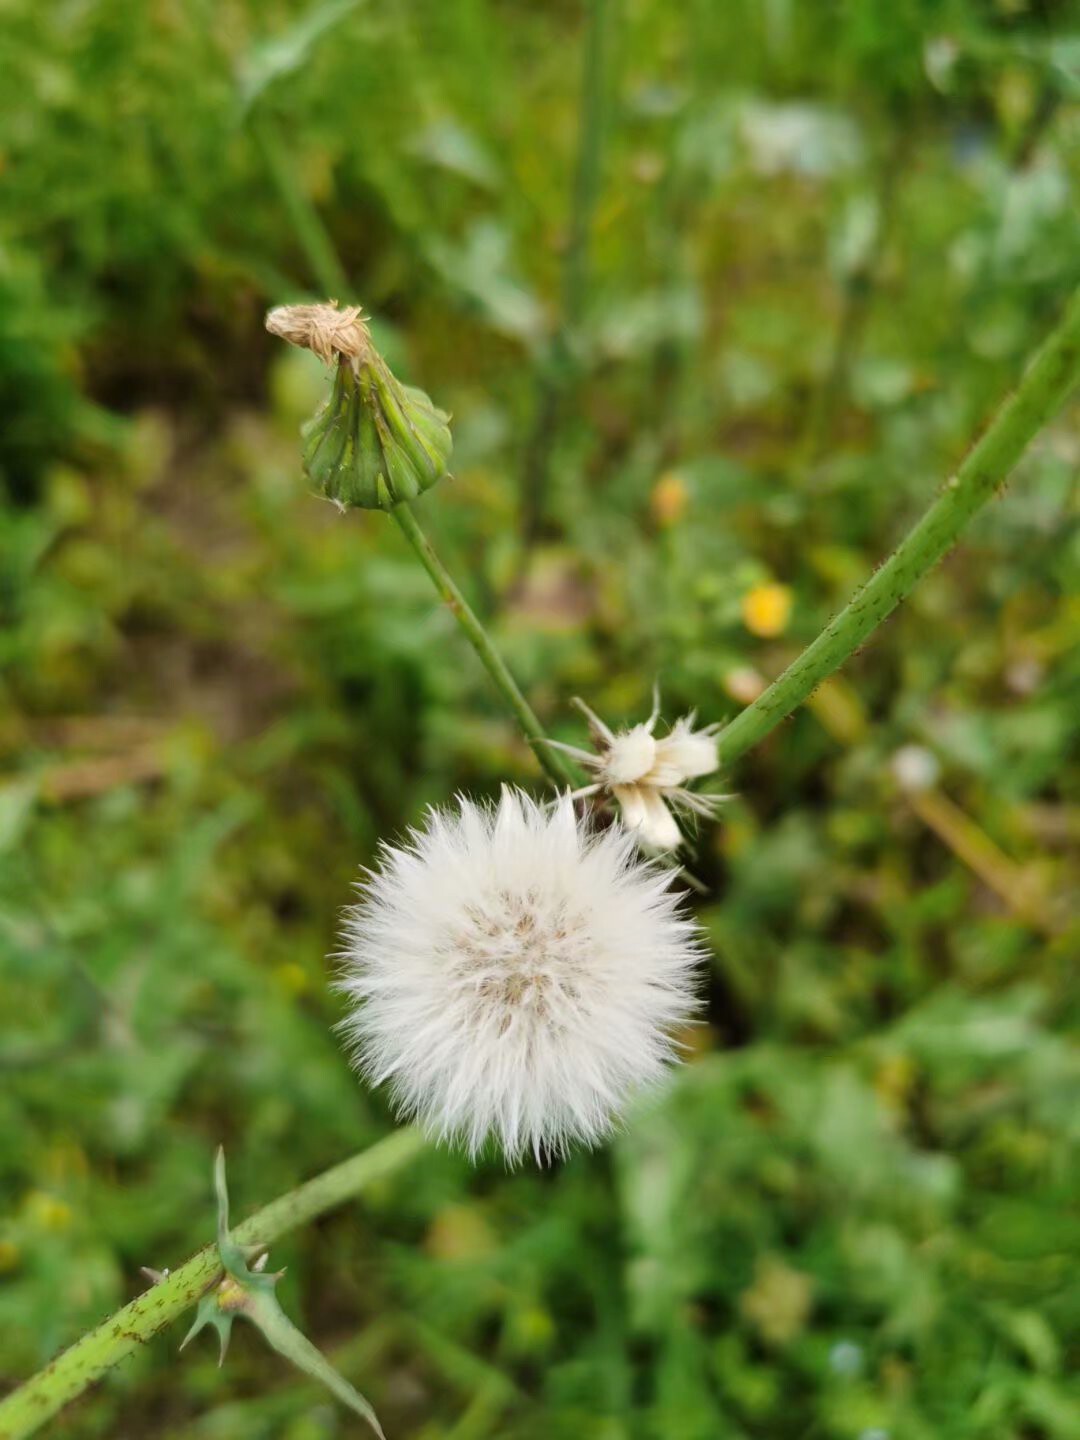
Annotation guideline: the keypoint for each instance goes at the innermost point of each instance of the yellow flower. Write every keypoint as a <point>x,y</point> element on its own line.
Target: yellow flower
<point>766,609</point>
<point>669,499</point>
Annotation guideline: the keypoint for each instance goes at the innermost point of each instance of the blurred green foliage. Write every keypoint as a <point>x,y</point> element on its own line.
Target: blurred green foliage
<point>825,238</point>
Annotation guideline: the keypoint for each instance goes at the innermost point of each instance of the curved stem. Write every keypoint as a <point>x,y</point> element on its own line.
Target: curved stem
<point>478,638</point>
<point>1048,380</point>
<point>25,1409</point>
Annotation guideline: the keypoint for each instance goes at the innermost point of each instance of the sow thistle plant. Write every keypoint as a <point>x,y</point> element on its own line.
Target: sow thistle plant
<point>515,972</point>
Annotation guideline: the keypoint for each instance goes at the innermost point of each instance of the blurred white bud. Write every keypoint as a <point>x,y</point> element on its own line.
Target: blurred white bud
<point>915,768</point>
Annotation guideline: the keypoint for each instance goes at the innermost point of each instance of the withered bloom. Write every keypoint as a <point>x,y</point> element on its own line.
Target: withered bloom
<point>374,442</point>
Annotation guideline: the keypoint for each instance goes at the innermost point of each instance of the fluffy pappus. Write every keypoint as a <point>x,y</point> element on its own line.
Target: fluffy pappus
<point>513,973</point>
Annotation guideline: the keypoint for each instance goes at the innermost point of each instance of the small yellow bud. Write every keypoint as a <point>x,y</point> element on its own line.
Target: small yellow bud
<point>9,1256</point>
<point>669,499</point>
<point>766,610</point>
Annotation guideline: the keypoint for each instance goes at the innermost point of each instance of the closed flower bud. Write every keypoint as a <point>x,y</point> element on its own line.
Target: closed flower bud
<point>375,442</point>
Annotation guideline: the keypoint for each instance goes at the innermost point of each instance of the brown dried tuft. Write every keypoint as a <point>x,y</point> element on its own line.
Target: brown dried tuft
<point>324,329</point>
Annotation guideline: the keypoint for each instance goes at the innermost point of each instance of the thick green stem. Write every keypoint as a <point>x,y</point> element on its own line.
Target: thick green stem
<point>478,638</point>
<point>1051,375</point>
<point>66,1377</point>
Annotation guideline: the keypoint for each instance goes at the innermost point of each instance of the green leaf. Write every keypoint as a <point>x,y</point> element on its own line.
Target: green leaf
<point>247,1291</point>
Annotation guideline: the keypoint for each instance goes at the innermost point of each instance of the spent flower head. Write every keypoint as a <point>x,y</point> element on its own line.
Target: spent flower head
<point>516,974</point>
<point>375,442</point>
<point>648,775</point>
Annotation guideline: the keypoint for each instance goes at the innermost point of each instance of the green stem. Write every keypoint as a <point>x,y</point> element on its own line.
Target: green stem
<point>66,1377</point>
<point>1048,380</point>
<point>478,638</point>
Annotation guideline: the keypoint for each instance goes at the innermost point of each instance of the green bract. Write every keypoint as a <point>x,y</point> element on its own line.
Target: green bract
<point>375,442</point>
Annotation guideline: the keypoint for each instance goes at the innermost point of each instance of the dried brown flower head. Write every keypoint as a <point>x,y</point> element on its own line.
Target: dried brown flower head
<point>374,443</point>
<point>325,330</point>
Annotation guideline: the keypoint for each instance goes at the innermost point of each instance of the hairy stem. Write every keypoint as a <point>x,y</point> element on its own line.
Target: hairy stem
<point>1051,375</point>
<point>478,638</point>
<point>25,1409</point>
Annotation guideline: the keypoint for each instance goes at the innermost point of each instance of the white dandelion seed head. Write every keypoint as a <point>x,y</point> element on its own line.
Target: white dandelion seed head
<point>515,974</point>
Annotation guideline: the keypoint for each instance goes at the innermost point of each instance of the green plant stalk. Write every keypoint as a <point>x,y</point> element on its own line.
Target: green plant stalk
<point>26,1409</point>
<point>478,638</point>
<point>1051,375</point>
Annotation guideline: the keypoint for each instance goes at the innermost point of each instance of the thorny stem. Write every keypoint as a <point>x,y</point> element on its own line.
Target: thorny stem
<point>1048,380</point>
<point>66,1377</point>
<point>479,639</point>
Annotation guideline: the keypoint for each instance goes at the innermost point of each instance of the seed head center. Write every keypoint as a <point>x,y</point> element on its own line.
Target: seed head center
<point>516,952</point>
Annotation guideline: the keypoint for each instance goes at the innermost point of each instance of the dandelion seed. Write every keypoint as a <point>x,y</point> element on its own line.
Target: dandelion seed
<point>648,777</point>
<point>515,974</point>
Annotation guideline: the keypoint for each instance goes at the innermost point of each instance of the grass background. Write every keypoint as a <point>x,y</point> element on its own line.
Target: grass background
<point>823,238</point>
